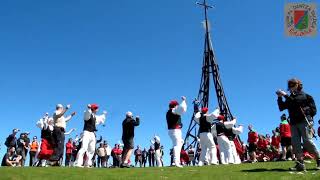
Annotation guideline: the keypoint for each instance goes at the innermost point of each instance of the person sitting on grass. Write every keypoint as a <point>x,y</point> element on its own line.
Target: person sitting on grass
<point>11,158</point>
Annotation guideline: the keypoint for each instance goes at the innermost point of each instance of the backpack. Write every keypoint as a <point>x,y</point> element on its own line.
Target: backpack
<point>8,141</point>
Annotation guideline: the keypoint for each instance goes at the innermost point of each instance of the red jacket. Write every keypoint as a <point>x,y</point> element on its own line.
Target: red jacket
<point>285,130</point>
<point>116,151</point>
<point>252,137</point>
<point>276,141</point>
<point>262,144</point>
<point>184,158</point>
<point>69,148</point>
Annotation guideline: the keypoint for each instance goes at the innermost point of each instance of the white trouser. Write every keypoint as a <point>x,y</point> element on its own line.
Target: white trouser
<point>225,149</point>
<point>234,155</point>
<point>208,149</point>
<point>177,141</point>
<point>158,158</point>
<point>88,145</point>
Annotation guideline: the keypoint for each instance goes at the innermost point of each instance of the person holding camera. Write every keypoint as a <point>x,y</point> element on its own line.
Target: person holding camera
<point>301,108</point>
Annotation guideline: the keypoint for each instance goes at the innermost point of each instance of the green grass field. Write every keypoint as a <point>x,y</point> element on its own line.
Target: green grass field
<point>270,170</point>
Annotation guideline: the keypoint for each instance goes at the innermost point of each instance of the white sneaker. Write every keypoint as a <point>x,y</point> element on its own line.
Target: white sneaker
<point>43,163</point>
<point>76,165</point>
<point>179,166</point>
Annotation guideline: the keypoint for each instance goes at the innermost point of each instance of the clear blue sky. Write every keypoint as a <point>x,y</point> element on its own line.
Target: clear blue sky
<point>137,55</point>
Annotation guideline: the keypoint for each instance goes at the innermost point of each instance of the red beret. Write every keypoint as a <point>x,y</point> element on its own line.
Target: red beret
<point>173,103</point>
<point>94,107</point>
<point>204,110</point>
<point>220,117</point>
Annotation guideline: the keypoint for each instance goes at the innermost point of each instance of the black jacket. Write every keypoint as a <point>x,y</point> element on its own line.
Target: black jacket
<point>297,104</point>
<point>128,127</point>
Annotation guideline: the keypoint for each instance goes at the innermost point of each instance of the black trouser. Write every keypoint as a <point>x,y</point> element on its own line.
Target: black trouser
<point>58,136</point>
<point>116,160</point>
<point>32,157</point>
<point>100,161</point>
<point>151,160</point>
<point>22,153</point>
<point>144,161</point>
<point>68,159</point>
<point>138,159</point>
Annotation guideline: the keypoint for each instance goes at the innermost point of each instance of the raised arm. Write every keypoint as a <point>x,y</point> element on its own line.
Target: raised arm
<point>237,130</point>
<point>99,141</point>
<point>40,123</point>
<point>100,119</point>
<point>87,114</point>
<point>59,115</point>
<point>230,124</point>
<point>136,122</point>
<point>157,139</point>
<point>214,115</point>
<point>68,118</point>
<point>282,104</point>
<point>181,108</point>
<point>69,132</point>
<point>197,117</point>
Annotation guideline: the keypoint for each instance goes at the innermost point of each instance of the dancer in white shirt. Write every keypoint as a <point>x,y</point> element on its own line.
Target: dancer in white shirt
<point>174,127</point>
<point>208,147</point>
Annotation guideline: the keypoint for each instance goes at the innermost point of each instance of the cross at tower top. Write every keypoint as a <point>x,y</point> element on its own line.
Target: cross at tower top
<point>204,4</point>
<point>205,7</point>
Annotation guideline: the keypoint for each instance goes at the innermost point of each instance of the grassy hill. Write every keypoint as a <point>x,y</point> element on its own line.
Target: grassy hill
<point>270,170</point>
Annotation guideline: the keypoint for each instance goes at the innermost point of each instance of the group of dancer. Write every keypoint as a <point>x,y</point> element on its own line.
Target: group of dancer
<point>218,138</point>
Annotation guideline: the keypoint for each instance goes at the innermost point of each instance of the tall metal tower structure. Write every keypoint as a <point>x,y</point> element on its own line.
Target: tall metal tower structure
<point>210,69</point>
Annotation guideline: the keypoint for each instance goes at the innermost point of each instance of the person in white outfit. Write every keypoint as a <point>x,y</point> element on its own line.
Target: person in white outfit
<point>232,133</point>
<point>223,141</point>
<point>157,148</point>
<point>174,123</point>
<point>208,147</point>
<point>91,119</point>
<point>237,131</point>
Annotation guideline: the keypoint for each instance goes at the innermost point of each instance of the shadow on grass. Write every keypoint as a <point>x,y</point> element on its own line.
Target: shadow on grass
<point>266,170</point>
<point>271,170</point>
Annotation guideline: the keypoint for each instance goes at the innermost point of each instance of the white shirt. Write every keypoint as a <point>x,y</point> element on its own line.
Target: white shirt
<point>43,123</point>
<point>108,150</point>
<point>60,121</point>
